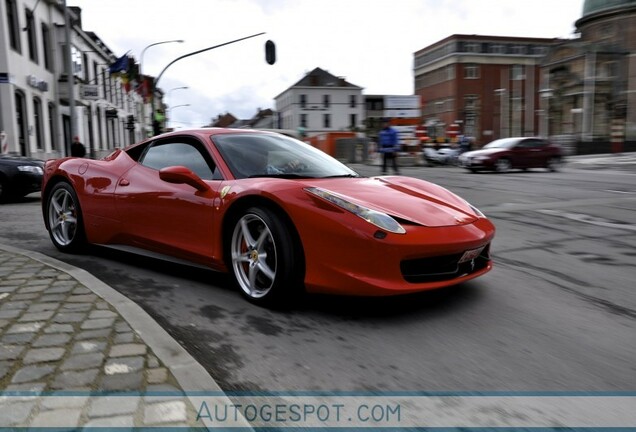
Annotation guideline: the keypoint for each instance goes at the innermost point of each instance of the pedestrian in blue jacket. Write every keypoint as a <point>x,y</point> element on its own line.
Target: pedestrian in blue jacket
<point>388,146</point>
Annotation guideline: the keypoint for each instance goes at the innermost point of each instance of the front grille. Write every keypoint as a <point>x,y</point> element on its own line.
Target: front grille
<point>441,268</point>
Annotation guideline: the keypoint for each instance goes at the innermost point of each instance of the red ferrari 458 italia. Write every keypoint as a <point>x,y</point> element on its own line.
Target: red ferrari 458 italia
<point>281,216</point>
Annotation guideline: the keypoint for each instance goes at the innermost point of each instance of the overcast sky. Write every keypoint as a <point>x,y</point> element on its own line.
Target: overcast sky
<point>369,42</point>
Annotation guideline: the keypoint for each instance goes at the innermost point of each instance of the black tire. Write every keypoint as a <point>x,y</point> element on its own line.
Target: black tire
<point>553,164</point>
<point>64,219</point>
<point>503,165</point>
<point>265,258</point>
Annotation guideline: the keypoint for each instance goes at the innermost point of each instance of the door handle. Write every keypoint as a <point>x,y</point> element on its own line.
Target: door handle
<point>124,182</point>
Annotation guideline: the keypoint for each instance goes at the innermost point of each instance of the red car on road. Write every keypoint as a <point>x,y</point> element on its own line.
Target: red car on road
<point>278,214</point>
<point>505,154</point>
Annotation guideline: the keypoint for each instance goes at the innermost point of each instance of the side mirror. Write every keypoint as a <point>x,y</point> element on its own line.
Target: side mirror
<point>182,175</point>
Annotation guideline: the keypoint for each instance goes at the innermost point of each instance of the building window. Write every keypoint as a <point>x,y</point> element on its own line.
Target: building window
<point>85,69</point>
<point>52,127</point>
<point>471,71</point>
<point>46,47</point>
<point>325,101</point>
<point>303,101</point>
<point>326,120</point>
<point>30,28</point>
<point>352,101</point>
<point>610,69</point>
<point>470,102</point>
<point>518,49</point>
<point>517,73</point>
<point>497,49</point>
<point>303,120</point>
<point>14,25</point>
<point>37,120</point>
<point>76,60</point>
<point>539,50</point>
<point>472,47</point>
<point>450,72</point>
<point>353,121</point>
<point>104,84</point>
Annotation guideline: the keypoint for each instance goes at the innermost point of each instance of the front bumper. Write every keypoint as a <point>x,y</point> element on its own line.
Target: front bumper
<point>423,259</point>
<point>475,163</point>
<point>25,183</point>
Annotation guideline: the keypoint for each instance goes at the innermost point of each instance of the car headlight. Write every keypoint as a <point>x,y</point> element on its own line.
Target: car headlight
<point>482,158</point>
<point>379,219</point>
<point>475,209</point>
<point>30,169</point>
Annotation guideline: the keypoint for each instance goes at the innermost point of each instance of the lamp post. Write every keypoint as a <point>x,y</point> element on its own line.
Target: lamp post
<point>70,80</point>
<point>169,110</point>
<point>502,120</point>
<point>141,59</point>
<point>175,88</point>
<point>270,59</point>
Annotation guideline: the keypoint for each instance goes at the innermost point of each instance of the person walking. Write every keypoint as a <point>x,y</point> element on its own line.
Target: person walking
<point>388,146</point>
<point>77,148</point>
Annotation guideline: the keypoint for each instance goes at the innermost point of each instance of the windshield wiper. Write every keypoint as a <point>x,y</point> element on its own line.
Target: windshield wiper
<point>343,176</point>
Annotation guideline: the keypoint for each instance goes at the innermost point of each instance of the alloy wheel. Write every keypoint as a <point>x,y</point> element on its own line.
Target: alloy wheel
<point>254,257</point>
<point>62,217</point>
<point>502,165</point>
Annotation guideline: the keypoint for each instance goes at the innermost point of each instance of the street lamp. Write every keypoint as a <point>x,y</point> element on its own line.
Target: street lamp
<point>177,106</point>
<point>141,60</point>
<point>141,57</point>
<point>175,88</point>
<point>156,81</point>
<point>169,110</point>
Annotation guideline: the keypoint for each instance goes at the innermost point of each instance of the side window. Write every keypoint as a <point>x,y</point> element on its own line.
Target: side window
<point>533,143</point>
<point>163,155</point>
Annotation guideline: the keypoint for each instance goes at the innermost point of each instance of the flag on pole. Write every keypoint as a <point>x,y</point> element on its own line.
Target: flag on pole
<point>120,65</point>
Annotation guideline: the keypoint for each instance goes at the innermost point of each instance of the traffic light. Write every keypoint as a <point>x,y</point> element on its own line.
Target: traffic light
<point>156,127</point>
<point>270,52</point>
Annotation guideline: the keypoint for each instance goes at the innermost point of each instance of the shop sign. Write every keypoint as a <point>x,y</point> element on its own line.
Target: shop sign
<point>89,92</point>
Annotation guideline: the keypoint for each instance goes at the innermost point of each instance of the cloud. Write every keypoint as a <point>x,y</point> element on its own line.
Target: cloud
<point>370,42</point>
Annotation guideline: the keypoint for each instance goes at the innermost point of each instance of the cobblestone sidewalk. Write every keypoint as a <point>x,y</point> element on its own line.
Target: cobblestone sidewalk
<point>58,337</point>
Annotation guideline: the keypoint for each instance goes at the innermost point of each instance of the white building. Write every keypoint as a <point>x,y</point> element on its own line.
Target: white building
<point>35,115</point>
<point>321,102</point>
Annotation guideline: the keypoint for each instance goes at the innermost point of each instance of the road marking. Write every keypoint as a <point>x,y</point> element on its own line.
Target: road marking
<point>620,191</point>
<point>589,219</point>
<point>517,207</point>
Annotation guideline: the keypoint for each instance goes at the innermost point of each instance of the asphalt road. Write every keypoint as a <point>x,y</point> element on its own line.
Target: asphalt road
<point>557,313</point>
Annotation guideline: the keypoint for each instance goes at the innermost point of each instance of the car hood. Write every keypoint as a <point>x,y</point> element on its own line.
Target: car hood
<point>484,152</point>
<point>20,160</point>
<point>406,198</point>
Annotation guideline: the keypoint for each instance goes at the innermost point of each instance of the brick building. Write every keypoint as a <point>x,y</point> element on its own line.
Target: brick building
<point>487,87</point>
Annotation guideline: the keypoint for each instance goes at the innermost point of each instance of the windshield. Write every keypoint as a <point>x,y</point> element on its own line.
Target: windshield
<point>273,155</point>
<point>502,143</point>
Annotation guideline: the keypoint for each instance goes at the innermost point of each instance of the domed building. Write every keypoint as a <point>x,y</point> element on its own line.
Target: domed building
<point>588,84</point>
